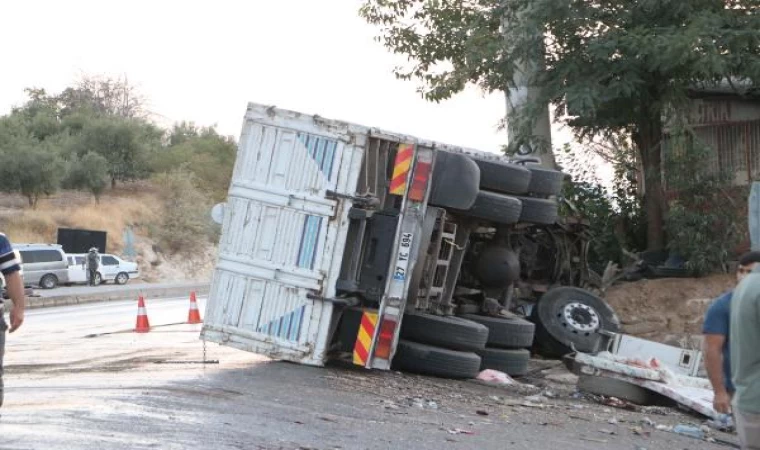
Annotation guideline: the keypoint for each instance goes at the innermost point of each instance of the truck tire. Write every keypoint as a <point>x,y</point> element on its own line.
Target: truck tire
<point>439,362</point>
<point>506,332</point>
<point>612,387</point>
<point>494,207</point>
<point>449,332</point>
<point>512,362</point>
<point>502,176</point>
<point>545,182</point>
<point>572,317</point>
<point>460,194</point>
<point>540,211</point>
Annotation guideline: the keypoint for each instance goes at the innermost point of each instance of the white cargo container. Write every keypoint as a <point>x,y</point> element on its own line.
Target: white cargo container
<point>332,232</point>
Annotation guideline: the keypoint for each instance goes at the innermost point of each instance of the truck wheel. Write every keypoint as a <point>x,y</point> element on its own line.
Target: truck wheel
<point>449,332</point>
<point>506,332</point>
<point>460,194</point>
<point>540,211</point>
<point>612,387</point>
<point>512,362</point>
<point>440,362</point>
<point>545,182</point>
<point>572,317</point>
<point>495,207</point>
<point>503,177</point>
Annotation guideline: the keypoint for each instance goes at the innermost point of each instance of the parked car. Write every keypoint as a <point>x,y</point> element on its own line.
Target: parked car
<point>44,265</point>
<point>112,268</point>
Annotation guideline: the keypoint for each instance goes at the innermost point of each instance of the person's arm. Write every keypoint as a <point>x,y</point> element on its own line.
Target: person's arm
<point>15,286</point>
<point>713,349</point>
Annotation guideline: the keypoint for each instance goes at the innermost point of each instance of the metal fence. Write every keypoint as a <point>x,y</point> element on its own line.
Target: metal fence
<point>735,150</point>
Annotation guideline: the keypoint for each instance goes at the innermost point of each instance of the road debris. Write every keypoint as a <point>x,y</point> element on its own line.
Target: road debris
<point>496,377</point>
<point>460,431</point>
<point>689,430</point>
<point>600,441</point>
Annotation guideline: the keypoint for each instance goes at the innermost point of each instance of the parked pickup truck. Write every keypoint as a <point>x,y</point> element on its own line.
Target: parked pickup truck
<point>345,241</point>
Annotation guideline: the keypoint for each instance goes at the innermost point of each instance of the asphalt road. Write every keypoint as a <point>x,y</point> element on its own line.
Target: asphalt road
<point>77,378</point>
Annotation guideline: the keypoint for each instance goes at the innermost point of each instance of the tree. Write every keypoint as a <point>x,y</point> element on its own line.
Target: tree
<point>209,156</point>
<point>30,169</point>
<point>103,96</point>
<point>610,66</point>
<point>126,144</point>
<point>90,172</point>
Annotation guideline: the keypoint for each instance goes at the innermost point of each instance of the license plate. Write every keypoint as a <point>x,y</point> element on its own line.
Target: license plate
<point>402,259</point>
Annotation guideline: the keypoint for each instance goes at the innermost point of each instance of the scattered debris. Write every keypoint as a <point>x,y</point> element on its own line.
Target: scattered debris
<point>664,428</point>
<point>536,398</point>
<point>689,430</point>
<point>460,431</point>
<point>481,412</point>
<point>613,421</point>
<point>494,376</point>
<point>600,441</point>
<point>605,431</point>
<point>550,394</point>
<point>648,422</point>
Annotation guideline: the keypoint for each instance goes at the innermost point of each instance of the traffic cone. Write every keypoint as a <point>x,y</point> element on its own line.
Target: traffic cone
<point>194,316</point>
<point>142,326</point>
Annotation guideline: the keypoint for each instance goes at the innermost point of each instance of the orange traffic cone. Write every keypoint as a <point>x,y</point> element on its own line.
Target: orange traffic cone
<point>143,326</point>
<point>194,316</point>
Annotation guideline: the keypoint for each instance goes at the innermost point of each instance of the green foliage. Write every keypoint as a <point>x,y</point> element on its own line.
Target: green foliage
<point>203,152</point>
<point>31,169</point>
<point>186,213</point>
<point>88,173</point>
<point>614,214</point>
<point>607,67</point>
<point>703,222</point>
<point>126,144</point>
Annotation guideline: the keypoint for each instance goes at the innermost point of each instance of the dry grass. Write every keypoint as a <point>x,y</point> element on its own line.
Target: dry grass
<point>117,210</point>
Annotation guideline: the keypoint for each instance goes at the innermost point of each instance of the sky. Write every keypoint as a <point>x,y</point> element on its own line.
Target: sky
<point>203,61</point>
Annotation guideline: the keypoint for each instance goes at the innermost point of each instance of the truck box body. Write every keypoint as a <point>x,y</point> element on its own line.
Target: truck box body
<point>282,237</point>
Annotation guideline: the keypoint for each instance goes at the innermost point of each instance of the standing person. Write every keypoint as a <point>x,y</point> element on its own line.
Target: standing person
<point>716,330</point>
<point>93,262</point>
<point>10,267</point>
<point>745,359</point>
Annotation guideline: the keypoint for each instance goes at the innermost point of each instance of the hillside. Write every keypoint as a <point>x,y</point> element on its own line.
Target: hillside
<point>140,206</point>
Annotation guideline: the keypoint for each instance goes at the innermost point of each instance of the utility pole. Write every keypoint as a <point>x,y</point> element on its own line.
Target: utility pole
<point>522,95</point>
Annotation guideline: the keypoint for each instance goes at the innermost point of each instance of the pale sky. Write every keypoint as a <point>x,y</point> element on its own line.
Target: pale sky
<point>204,60</point>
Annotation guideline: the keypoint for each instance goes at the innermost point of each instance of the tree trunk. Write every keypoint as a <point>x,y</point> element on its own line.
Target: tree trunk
<point>648,139</point>
<point>113,182</point>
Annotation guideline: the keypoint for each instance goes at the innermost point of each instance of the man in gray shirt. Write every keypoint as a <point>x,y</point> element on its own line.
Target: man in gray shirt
<point>745,359</point>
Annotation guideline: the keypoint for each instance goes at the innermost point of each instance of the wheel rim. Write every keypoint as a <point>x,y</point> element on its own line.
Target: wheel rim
<point>48,283</point>
<point>121,278</point>
<point>580,318</point>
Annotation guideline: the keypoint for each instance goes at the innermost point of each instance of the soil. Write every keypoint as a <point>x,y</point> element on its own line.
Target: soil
<point>669,310</point>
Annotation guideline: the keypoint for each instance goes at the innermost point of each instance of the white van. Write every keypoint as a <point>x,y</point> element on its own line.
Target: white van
<point>111,268</point>
<point>44,265</point>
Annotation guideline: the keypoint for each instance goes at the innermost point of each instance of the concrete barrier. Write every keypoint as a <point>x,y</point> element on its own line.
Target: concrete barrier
<point>50,298</point>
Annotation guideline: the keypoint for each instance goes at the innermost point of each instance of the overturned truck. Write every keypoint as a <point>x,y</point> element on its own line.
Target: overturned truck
<point>344,241</point>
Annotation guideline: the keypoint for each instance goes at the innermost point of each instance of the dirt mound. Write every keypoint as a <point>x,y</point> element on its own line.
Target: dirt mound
<point>668,310</point>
